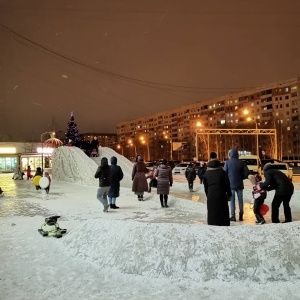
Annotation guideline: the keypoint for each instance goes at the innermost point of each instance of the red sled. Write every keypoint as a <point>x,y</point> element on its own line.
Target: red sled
<point>264,209</point>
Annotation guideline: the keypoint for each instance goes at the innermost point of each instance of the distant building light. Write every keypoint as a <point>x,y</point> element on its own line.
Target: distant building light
<point>44,150</point>
<point>10,150</point>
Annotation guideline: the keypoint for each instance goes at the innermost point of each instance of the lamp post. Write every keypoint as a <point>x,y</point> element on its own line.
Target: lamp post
<point>120,147</point>
<point>131,144</point>
<point>145,141</point>
<point>197,151</point>
<point>47,132</point>
<point>171,146</point>
<point>246,112</point>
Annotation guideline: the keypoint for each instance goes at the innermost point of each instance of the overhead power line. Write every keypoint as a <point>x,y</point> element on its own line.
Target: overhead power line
<point>152,84</point>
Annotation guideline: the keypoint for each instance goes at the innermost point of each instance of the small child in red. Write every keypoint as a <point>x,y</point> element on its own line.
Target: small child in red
<point>259,197</point>
<point>49,178</point>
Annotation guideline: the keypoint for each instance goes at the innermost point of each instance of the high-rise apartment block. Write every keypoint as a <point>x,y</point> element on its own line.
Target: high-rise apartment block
<point>172,134</point>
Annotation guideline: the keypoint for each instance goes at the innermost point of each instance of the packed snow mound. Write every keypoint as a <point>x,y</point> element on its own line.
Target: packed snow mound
<point>122,161</point>
<point>72,165</point>
<point>199,253</point>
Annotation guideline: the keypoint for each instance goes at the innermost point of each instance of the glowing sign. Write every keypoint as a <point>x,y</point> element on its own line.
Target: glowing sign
<point>10,150</point>
<point>44,150</point>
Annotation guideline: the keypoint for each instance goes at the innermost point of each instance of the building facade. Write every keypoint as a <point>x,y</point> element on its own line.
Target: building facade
<point>172,134</point>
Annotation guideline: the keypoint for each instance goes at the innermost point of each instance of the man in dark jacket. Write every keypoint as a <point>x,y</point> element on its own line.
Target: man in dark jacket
<point>237,171</point>
<point>190,174</point>
<point>103,173</point>
<point>116,175</point>
<point>284,189</point>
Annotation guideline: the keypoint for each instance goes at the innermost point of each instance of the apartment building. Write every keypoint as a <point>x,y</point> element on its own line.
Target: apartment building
<point>172,134</point>
<point>104,139</point>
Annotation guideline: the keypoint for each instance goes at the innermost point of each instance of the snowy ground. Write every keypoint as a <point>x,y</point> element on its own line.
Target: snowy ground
<point>139,251</point>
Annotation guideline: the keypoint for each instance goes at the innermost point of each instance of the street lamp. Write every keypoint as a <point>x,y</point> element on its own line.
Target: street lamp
<point>197,151</point>
<point>145,141</point>
<point>249,119</point>
<point>171,147</point>
<point>120,147</point>
<point>47,132</point>
<point>131,144</point>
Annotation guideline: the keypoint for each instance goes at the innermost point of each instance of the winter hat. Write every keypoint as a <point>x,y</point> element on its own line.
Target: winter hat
<point>267,166</point>
<point>164,162</point>
<point>104,161</point>
<point>113,160</point>
<point>213,155</point>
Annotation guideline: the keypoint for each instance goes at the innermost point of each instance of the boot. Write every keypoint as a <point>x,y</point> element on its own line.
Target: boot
<point>166,203</point>
<point>259,220</point>
<point>115,206</point>
<point>241,216</point>
<point>162,203</point>
<point>139,198</point>
<point>233,219</point>
<point>111,205</point>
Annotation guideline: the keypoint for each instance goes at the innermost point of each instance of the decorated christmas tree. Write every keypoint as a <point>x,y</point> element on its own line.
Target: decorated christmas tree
<point>72,134</point>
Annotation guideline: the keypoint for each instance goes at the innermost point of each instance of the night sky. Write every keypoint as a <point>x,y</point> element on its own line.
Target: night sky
<point>115,60</point>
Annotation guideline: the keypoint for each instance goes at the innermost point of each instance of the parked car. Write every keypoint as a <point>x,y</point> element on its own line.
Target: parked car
<point>295,165</point>
<point>180,168</point>
<point>253,163</point>
<point>279,165</point>
<point>150,165</point>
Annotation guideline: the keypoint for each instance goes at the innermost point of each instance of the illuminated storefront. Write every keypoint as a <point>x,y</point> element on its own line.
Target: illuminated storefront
<point>24,154</point>
<point>9,159</point>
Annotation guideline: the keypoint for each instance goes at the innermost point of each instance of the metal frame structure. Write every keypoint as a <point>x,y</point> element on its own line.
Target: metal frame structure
<point>256,132</point>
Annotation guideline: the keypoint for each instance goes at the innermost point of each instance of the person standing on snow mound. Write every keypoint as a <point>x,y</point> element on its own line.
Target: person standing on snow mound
<point>116,175</point>
<point>103,173</point>
<point>139,180</point>
<point>95,144</point>
<point>284,189</point>
<point>237,171</point>
<point>218,193</point>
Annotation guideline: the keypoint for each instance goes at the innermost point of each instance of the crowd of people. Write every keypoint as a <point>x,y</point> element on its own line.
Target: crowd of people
<point>221,184</point>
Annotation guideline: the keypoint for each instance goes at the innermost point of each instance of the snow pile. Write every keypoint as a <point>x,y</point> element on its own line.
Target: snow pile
<point>123,162</point>
<point>72,165</point>
<point>200,253</point>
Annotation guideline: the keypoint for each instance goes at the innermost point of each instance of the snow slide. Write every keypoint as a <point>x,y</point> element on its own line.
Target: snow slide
<point>72,165</point>
<point>190,252</point>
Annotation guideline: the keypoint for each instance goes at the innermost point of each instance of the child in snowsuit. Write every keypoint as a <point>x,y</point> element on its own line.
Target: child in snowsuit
<point>259,197</point>
<point>49,178</point>
<point>28,171</point>
<point>38,172</point>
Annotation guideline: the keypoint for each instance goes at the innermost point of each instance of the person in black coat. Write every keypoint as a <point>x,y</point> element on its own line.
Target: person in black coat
<point>116,175</point>
<point>103,173</point>
<point>190,175</point>
<point>95,144</point>
<point>284,189</point>
<point>218,193</point>
<point>201,172</point>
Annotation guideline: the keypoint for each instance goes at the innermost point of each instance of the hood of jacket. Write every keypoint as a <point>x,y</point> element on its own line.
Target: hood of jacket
<point>233,153</point>
<point>104,161</point>
<point>267,166</point>
<point>214,164</point>
<point>113,160</point>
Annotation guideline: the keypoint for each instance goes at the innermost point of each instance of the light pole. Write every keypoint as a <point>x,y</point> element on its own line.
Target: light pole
<point>246,112</point>
<point>120,147</point>
<point>171,146</point>
<point>49,132</point>
<point>131,144</point>
<point>146,141</point>
<point>197,151</point>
